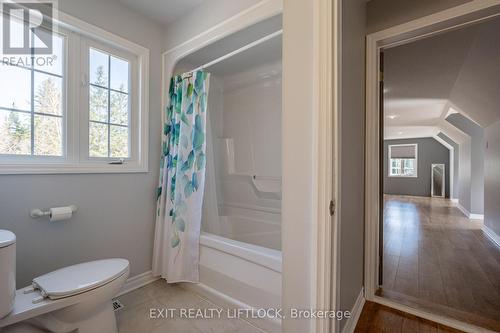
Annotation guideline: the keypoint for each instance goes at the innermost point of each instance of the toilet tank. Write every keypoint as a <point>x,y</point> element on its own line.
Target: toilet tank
<point>7,271</point>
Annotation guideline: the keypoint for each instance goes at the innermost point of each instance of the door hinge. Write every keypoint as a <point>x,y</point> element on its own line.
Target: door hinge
<point>332,207</point>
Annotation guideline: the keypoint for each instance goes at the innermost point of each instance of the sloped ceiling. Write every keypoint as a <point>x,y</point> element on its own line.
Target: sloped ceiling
<point>424,79</point>
<point>477,89</point>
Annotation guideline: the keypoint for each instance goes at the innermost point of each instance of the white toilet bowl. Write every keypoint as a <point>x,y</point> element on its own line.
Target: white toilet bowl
<point>77,297</point>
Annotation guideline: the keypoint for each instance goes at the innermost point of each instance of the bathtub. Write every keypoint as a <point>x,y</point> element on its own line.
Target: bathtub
<point>235,274</point>
<point>260,232</point>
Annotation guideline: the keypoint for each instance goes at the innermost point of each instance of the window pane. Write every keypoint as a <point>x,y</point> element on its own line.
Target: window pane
<point>48,94</point>
<point>16,32</point>
<point>98,140</point>
<point>119,74</point>
<point>119,108</point>
<point>15,133</point>
<point>119,141</point>
<point>52,63</point>
<point>15,88</point>
<point>48,136</point>
<point>98,104</point>
<point>99,64</point>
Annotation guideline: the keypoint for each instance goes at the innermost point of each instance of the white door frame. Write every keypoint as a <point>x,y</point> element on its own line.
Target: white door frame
<point>443,188</point>
<point>319,243</point>
<point>327,76</point>
<point>310,130</point>
<point>452,164</point>
<point>462,15</point>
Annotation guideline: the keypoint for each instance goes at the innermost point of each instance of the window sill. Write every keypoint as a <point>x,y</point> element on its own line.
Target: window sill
<point>82,168</point>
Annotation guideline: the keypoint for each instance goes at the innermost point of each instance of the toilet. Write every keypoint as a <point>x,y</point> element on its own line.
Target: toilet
<point>77,297</point>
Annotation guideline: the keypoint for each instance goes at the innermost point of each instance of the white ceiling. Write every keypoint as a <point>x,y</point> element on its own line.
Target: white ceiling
<point>426,78</point>
<point>163,11</point>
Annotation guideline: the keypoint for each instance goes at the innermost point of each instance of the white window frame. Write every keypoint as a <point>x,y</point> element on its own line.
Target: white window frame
<point>75,159</point>
<point>86,44</point>
<point>389,165</point>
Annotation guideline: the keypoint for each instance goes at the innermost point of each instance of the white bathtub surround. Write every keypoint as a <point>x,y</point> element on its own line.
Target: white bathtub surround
<point>260,230</point>
<point>182,179</point>
<point>245,130</point>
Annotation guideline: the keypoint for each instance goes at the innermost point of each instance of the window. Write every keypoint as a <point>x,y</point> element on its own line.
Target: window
<point>31,103</point>
<point>403,160</point>
<point>108,105</point>
<point>82,108</point>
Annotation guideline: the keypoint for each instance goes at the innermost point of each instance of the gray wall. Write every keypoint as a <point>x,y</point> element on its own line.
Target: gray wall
<point>383,14</point>
<point>492,178</point>
<point>117,211</point>
<point>477,144</point>
<point>429,151</point>
<point>351,213</point>
<point>455,164</point>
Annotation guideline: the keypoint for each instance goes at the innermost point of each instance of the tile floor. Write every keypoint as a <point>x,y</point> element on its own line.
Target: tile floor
<point>135,316</point>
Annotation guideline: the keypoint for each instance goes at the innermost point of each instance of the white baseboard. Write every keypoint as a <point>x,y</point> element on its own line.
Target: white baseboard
<point>270,325</point>
<point>463,210</point>
<point>454,200</point>
<point>138,281</point>
<point>469,214</point>
<point>351,323</point>
<point>476,216</point>
<point>492,235</point>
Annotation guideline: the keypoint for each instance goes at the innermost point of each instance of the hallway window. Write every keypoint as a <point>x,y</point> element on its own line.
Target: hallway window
<point>403,160</point>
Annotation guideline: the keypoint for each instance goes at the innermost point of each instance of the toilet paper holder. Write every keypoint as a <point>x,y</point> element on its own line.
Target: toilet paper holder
<point>36,213</point>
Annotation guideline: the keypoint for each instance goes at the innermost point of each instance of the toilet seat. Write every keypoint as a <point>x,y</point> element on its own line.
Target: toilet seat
<point>95,282</point>
<point>77,279</point>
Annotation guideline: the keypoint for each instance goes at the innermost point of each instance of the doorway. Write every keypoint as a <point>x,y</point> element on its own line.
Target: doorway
<point>426,253</point>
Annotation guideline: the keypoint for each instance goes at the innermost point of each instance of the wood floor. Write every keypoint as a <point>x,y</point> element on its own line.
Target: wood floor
<point>438,260</point>
<point>378,318</point>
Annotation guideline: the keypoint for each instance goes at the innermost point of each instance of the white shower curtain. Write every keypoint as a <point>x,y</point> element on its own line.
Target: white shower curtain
<point>182,180</point>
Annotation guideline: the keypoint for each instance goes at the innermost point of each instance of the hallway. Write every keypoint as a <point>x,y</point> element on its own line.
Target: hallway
<point>438,260</point>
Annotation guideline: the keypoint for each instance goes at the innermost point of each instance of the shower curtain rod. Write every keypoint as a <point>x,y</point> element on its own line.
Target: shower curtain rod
<point>237,51</point>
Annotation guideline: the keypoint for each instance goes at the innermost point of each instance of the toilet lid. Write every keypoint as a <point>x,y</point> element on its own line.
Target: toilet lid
<point>79,278</point>
<point>6,238</point>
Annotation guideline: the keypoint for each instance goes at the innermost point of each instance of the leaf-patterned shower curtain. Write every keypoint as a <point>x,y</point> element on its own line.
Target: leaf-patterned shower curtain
<point>182,179</point>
